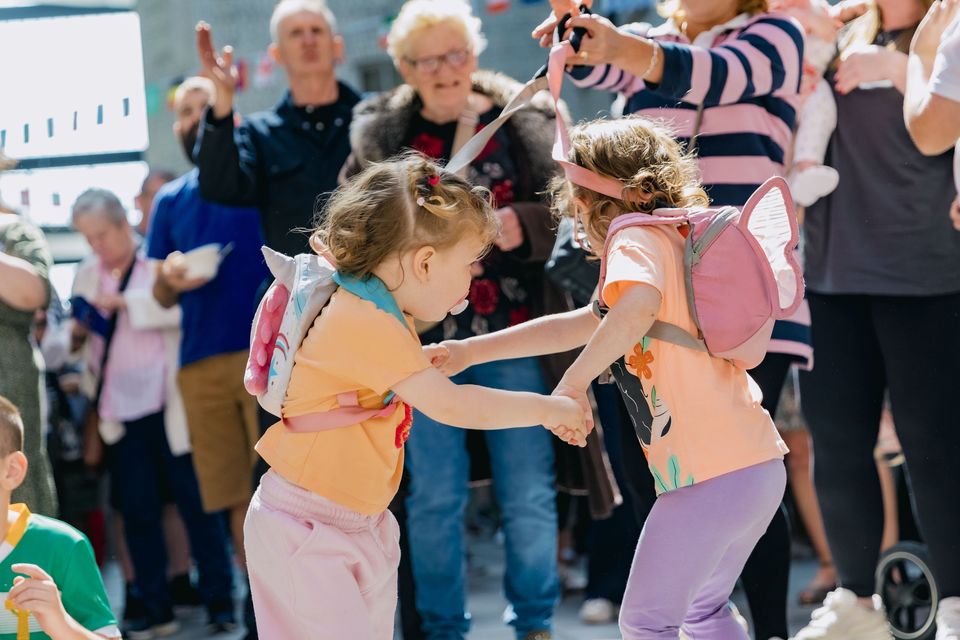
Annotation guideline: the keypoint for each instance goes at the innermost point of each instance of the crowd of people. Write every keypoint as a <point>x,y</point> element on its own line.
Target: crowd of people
<point>331,531</point>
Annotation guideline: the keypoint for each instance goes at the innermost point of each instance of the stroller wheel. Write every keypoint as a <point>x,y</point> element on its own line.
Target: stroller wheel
<point>909,593</point>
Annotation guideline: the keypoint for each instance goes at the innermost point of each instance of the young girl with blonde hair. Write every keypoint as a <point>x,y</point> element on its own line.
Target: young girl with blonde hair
<point>710,445</point>
<point>322,548</point>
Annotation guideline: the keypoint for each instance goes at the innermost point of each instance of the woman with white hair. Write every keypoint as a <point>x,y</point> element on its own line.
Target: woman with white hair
<point>131,346</point>
<point>445,99</point>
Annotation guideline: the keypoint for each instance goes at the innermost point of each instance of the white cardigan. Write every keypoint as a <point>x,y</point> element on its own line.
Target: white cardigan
<point>145,313</point>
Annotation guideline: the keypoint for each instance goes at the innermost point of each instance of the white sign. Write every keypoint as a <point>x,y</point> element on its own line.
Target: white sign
<point>72,85</point>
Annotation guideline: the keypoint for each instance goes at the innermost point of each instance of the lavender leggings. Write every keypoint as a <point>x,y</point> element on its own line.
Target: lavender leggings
<point>693,546</point>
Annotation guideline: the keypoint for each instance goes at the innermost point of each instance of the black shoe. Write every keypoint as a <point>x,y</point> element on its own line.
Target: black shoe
<point>151,626</point>
<point>220,617</point>
<point>134,607</point>
<point>183,592</point>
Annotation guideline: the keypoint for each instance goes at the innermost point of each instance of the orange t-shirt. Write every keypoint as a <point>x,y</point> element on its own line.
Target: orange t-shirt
<point>352,346</point>
<point>705,417</point>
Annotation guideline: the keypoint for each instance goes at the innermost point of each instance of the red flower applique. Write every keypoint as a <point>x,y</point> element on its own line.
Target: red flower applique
<point>430,146</point>
<point>484,296</point>
<point>640,361</point>
<point>403,429</point>
<point>503,193</point>
<point>519,315</point>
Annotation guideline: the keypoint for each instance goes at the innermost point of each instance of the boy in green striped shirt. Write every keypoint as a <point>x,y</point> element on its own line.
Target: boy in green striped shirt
<point>50,585</point>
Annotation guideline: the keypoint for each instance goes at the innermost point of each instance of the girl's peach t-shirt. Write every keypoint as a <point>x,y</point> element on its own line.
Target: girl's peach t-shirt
<point>705,415</point>
<point>353,345</point>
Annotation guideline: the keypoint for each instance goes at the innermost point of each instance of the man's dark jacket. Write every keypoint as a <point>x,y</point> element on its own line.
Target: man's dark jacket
<point>284,161</point>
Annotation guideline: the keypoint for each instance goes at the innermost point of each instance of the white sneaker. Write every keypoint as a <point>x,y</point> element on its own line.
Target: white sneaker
<point>810,184</point>
<point>842,618</point>
<point>948,619</point>
<point>598,611</point>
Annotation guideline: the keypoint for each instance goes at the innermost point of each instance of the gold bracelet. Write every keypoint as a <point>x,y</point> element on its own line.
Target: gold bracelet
<point>653,59</point>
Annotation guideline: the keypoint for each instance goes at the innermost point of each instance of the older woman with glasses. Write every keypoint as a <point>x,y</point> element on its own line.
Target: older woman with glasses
<point>445,99</point>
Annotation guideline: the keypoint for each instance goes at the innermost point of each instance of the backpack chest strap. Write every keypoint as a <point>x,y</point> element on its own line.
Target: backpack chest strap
<point>348,413</point>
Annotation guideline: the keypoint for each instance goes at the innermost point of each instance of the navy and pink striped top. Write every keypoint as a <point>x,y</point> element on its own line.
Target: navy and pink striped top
<point>746,74</point>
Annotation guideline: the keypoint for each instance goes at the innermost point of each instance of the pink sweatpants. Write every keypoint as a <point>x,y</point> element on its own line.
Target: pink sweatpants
<point>319,571</point>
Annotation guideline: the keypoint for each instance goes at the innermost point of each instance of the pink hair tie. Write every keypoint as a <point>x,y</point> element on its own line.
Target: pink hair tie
<point>420,201</point>
<point>433,180</point>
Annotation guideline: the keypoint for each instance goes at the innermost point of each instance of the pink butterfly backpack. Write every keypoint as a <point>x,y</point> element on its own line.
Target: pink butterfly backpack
<point>740,265</point>
<point>740,268</point>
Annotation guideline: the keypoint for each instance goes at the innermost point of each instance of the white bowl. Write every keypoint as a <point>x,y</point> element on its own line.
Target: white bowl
<point>203,262</point>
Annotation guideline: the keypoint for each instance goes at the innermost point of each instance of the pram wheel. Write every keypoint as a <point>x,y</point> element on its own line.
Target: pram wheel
<point>909,593</point>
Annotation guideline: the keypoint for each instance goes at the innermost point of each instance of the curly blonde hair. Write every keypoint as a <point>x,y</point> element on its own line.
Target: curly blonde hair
<point>640,153</point>
<point>394,206</point>
<point>417,15</point>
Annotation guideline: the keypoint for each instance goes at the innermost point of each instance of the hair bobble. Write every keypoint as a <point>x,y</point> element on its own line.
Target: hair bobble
<point>433,180</point>
<point>420,201</point>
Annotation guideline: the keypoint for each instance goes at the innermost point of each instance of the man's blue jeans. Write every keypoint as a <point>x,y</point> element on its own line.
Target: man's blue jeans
<point>522,461</point>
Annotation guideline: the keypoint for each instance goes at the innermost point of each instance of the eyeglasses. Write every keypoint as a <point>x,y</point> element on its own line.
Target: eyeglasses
<point>431,64</point>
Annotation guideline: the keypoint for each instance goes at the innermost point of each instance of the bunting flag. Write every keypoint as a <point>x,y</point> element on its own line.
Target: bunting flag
<point>69,121</point>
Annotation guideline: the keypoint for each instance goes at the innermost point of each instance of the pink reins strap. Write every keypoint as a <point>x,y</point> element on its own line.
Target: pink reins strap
<point>348,413</point>
<point>561,144</point>
<point>553,81</point>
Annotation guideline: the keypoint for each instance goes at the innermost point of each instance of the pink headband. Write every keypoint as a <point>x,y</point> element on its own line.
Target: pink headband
<point>561,146</point>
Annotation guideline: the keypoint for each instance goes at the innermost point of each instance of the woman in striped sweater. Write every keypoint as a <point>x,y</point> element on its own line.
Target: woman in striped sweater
<point>725,75</point>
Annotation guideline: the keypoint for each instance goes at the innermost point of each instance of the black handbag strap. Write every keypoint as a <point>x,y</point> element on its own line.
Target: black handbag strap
<point>111,329</point>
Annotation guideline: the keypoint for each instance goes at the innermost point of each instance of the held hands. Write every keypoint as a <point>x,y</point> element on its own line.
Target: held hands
<point>39,595</point>
<point>929,35</point>
<point>450,357</point>
<point>567,420</point>
<point>173,271</point>
<point>573,432</point>
<point>219,69</point>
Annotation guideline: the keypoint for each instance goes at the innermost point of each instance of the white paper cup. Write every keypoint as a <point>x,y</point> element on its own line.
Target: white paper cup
<point>203,262</point>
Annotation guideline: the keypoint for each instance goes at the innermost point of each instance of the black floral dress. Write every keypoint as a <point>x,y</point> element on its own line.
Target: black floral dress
<point>499,296</point>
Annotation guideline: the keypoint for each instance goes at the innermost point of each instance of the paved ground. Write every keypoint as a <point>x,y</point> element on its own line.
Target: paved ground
<point>487,603</point>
